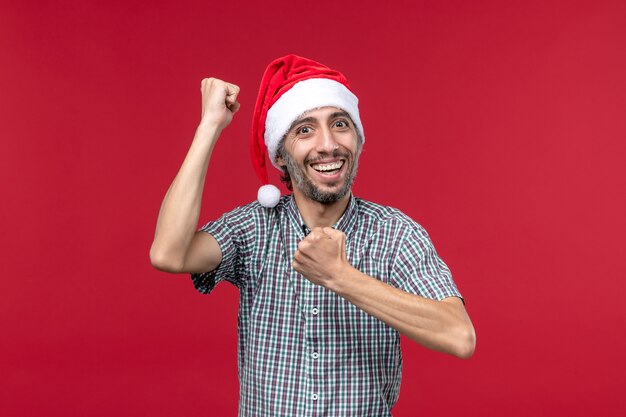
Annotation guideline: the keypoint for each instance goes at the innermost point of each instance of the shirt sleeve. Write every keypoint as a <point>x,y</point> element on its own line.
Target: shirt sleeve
<point>419,270</point>
<point>230,232</point>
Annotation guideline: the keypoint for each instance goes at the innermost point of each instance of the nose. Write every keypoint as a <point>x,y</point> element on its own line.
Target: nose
<point>327,142</point>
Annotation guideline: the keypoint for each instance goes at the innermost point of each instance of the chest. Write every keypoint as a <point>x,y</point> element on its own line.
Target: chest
<point>281,301</point>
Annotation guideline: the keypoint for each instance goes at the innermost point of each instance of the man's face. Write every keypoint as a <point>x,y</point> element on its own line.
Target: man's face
<point>321,154</point>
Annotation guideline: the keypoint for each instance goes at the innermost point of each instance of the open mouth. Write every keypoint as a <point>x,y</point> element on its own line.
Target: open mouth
<point>328,168</point>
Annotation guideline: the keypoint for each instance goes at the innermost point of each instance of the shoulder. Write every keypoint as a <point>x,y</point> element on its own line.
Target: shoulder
<point>391,224</point>
<point>254,213</point>
<point>385,216</point>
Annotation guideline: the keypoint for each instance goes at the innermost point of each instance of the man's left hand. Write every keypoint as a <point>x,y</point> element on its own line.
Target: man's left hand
<point>321,256</point>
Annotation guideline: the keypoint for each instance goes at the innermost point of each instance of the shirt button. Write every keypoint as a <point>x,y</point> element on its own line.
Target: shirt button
<point>315,355</point>
<point>314,397</point>
<point>314,311</point>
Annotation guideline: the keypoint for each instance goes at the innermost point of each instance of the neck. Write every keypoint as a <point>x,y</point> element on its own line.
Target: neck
<point>316,214</point>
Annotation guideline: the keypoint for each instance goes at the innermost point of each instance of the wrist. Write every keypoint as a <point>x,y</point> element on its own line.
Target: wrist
<point>206,136</point>
<point>341,279</point>
<point>209,127</point>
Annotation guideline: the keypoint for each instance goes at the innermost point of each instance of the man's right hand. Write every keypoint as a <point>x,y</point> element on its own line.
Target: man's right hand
<point>219,102</point>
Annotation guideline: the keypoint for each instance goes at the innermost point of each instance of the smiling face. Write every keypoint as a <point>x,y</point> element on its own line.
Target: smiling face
<point>320,151</point>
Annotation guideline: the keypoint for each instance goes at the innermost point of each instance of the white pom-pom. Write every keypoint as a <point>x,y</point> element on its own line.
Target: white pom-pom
<point>268,196</point>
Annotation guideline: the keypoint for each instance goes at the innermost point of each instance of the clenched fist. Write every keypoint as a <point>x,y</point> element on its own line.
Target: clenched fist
<point>219,102</point>
<point>321,256</point>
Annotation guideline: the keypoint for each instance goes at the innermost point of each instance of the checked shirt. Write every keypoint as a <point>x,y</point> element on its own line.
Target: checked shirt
<point>303,350</point>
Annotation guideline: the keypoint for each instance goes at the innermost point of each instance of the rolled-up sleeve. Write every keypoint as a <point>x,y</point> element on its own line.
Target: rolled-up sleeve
<point>418,269</point>
<point>227,232</point>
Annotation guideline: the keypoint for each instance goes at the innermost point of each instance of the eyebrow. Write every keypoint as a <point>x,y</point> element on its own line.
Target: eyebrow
<point>313,119</point>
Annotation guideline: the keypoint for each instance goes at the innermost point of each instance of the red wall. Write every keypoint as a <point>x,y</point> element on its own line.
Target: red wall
<point>499,126</point>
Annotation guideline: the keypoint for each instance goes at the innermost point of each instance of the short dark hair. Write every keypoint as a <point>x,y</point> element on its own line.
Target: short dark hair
<point>285,178</point>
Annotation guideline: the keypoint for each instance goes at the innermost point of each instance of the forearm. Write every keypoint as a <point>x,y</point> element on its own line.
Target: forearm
<point>439,325</point>
<point>180,210</point>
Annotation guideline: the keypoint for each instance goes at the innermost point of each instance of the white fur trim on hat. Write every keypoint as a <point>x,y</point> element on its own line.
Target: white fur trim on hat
<point>304,96</point>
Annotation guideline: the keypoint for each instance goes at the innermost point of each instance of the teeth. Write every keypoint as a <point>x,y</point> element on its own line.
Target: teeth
<point>328,167</point>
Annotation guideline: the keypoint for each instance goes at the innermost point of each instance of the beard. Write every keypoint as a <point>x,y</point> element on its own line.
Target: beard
<point>313,192</point>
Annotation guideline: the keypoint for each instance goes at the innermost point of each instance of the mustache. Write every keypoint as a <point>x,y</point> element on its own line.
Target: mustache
<point>324,155</point>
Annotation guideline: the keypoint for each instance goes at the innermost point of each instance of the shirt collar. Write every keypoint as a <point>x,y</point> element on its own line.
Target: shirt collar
<point>345,223</point>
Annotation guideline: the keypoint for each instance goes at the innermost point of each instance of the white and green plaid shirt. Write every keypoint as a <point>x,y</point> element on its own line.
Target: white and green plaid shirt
<point>303,350</point>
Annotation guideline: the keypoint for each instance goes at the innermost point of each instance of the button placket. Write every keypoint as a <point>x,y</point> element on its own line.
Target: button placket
<point>315,327</point>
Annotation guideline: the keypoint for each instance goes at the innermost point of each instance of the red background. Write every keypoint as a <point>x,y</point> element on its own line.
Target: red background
<point>498,125</point>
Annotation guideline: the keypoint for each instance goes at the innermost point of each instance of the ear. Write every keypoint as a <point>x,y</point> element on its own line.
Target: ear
<point>280,162</point>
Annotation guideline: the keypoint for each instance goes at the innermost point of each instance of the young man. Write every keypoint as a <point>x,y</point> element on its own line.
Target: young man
<point>327,281</point>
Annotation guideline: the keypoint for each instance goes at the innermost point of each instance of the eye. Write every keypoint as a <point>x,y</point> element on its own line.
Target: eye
<point>341,124</point>
<point>303,130</point>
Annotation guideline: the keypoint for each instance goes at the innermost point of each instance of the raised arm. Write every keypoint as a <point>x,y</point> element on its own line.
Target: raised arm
<point>177,247</point>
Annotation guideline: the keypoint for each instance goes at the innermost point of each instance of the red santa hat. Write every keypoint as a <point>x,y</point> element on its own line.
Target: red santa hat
<point>291,86</point>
